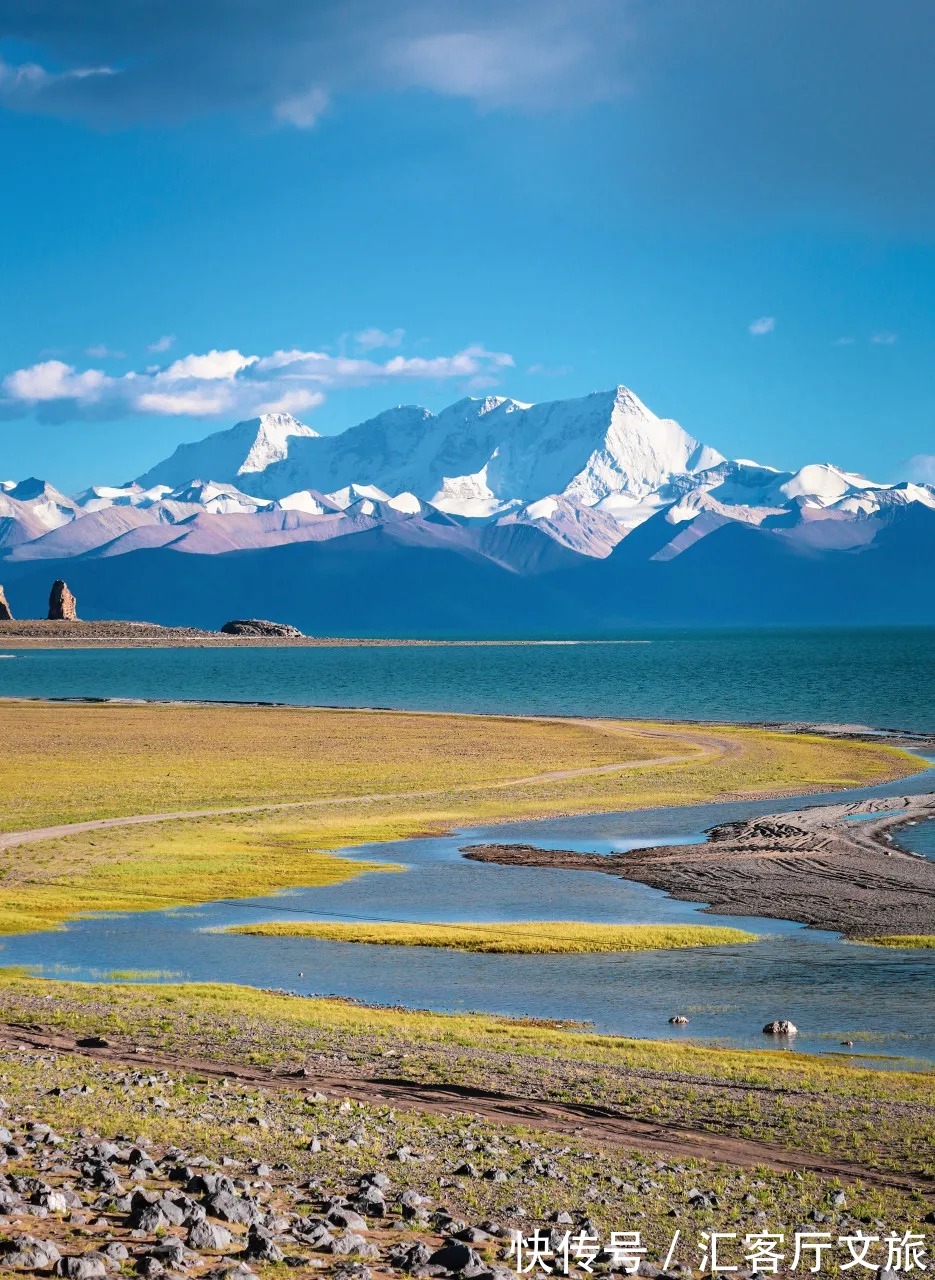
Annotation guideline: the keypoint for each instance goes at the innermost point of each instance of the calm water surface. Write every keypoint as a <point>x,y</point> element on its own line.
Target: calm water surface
<point>834,991</point>
<point>883,678</point>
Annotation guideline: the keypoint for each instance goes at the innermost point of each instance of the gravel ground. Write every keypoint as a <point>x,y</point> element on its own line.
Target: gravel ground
<point>109,1171</point>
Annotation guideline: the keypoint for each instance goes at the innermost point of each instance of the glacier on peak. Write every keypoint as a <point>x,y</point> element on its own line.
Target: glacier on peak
<point>492,473</point>
<point>247,448</point>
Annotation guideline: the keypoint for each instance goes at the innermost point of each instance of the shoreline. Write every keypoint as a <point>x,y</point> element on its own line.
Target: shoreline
<point>45,634</point>
<point>826,867</point>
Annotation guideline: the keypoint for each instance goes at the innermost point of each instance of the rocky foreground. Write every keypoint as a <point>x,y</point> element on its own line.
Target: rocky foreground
<point>116,1170</point>
<point>832,867</point>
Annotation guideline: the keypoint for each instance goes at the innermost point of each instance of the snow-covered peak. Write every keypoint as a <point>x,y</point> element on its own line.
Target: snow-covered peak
<point>352,493</point>
<point>220,499</point>
<point>246,449</point>
<point>406,503</point>
<point>100,497</point>
<point>307,501</point>
<point>272,433</point>
<point>821,484</point>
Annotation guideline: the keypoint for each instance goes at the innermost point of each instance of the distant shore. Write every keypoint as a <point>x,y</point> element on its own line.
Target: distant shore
<point>43,634</point>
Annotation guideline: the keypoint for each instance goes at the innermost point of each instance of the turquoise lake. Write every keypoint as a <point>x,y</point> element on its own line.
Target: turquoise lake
<point>883,678</point>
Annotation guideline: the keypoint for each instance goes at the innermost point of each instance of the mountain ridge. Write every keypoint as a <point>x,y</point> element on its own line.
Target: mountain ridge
<point>538,493</point>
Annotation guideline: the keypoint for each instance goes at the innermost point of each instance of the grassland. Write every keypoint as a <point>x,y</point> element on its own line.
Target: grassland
<point>532,937</point>
<point>884,1120</point>
<point>354,778</point>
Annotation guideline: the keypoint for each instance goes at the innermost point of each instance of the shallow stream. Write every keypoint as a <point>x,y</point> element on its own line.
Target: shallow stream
<point>833,990</point>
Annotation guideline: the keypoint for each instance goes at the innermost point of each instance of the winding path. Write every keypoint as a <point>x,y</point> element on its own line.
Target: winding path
<point>608,1125</point>
<point>712,747</point>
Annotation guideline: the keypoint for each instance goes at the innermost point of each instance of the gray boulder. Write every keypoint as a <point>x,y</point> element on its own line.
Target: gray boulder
<point>260,627</point>
<point>208,1235</point>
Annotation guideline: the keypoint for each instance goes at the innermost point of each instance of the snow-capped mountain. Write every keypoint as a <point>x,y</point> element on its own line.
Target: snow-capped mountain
<point>478,456</point>
<point>245,449</point>
<point>536,491</point>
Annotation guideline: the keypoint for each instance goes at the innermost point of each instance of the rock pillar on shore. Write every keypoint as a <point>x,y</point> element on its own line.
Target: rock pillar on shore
<point>5,614</point>
<point>63,607</point>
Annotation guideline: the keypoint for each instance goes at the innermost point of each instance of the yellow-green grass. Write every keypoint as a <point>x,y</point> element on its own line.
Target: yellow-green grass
<point>911,941</point>
<point>533,937</point>
<point>367,777</point>
<point>66,762</point>
<point>77,761</point>
<point>209,1010</point>
<point>885,1119</point>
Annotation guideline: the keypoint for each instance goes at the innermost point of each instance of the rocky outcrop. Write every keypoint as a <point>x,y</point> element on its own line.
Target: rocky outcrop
<point>5,613</point>
<point>63,607</point>
<point>782,1027</point>
<point>259,627</point>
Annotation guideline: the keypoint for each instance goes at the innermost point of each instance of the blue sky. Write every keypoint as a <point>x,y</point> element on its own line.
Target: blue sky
<point>426,200</point>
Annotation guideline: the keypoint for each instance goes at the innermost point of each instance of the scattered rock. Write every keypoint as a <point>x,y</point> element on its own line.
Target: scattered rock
<point>89,1267</point>
<point>63,607</point>
<point>208,1235</point>
<point>259,627</point>
<point>781,1027</point>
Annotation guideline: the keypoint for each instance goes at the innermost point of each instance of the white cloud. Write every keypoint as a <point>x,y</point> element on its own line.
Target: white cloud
<point>227,383</point>
<point>102,352</point>
<point>298,401</point>
<point>162,344</point>
<point>54,380</point>
<point>375,339</point>
<point>24,84</point>
<point>764,325</point>
<point>884,339</point>
<point>843,342</point>
<point>921,468</point>
<point>197,403</point>
<point>303,110</point>
<point>216,364</point>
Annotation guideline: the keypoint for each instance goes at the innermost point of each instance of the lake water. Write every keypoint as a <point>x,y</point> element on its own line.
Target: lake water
<point>883,678</point>
<point>834,991</point>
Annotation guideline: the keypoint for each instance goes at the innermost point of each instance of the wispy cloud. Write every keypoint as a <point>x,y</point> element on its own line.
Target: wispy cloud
<point>177,59</point>
<point>161,344</point>
<point>843,342</point>
<point>26,85</point>
<point>379,339</point>
<point>101,352</point>
<point>921,468</point>
<point>227,383</point>
<point>884,339</point>
<point>764,325</point>
<point>303,110</point>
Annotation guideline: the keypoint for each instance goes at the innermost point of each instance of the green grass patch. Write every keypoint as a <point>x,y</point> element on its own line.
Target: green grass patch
<point>911,941</point>
<point>533,937</point>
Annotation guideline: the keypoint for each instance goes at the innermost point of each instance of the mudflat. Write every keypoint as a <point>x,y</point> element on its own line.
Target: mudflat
<point>832,867</point>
